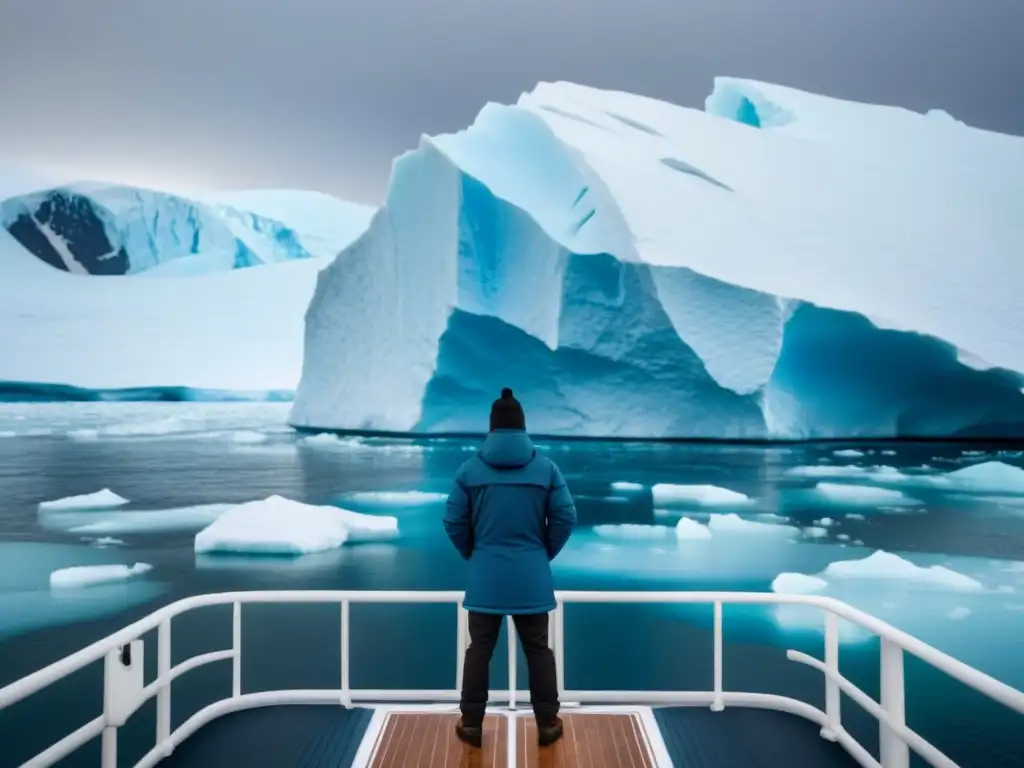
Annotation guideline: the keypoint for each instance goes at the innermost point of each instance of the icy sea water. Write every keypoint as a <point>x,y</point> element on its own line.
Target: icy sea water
<point>174,461</point>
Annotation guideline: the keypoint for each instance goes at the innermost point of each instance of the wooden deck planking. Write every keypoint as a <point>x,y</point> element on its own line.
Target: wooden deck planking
<point>590,741</point>
<point>427,740</point>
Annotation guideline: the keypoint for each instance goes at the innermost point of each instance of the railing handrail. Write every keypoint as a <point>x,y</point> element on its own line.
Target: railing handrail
<point>970,676</point>
<point>124,690</point>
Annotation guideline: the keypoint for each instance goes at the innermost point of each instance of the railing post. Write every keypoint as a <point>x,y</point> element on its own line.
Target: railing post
<point>346,696</point>
<point>717,704</point>
<point>461,642</point>
<point>893,751</point>
<point>108,745</point>
<point>832,699</point>
<point>559,645</point>
<point>510,631</point>
<point>163,674</point>
<point>236,647</point>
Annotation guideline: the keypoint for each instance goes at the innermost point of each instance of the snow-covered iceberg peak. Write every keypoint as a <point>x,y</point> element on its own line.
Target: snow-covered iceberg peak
<point>101,229</point>
<point>778,265</point>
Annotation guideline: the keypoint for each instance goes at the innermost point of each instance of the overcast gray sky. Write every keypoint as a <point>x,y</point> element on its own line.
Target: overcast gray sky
<point>321,94</point>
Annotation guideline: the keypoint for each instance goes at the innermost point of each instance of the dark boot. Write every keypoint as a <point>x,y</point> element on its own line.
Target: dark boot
<point>549,733</point>
<point>469,734</point>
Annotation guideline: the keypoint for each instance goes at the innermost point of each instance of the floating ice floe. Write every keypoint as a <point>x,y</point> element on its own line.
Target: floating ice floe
<point>633,531</point>
<point>396,498</point>
<point>882,565</point>
<point>700,495</point>
<point>691,530</point>
<point>108,522</point>
<point>797,584</point>
<point>104,541</point>
<point>92,575</point>
<point>732,523</point>
<point>841,493</point>
<point>840,576</point>
<point>280,526</point>
<point>248,437</point>
<point>627,486</point>
<point>104,499</point>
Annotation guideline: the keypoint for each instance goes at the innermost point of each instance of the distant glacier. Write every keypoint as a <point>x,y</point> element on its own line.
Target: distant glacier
<point>103,229</point>
<point>200,329</point>
<point>779,265</point>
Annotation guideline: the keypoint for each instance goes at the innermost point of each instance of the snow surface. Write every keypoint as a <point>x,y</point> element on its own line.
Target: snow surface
<point>633,268</point>
<point>279,526</point>
<point>103,499</point>
<point>91,575</point>
<point>235,332</point>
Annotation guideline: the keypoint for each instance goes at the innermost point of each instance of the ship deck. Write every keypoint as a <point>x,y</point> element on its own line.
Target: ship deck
<point>641,737</point>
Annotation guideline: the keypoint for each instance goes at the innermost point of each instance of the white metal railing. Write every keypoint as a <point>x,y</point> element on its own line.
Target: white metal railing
<point>124,691</point>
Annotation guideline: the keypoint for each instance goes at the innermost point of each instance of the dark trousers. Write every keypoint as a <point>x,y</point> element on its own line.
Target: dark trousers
<point>540,661</point>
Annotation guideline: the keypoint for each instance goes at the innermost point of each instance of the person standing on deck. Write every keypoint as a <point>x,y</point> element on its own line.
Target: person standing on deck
<point>509,514</point>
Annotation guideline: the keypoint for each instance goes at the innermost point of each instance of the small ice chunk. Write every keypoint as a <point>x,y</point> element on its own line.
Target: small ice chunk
<point>105,499</point>
<point>959,613</point>
<point>843,536</point>
<point>104,541</point>
<point>732,523</point>
<point>632,531</point>
<point>625,486</point>
<point>91,575</point>
<point>885,565</point>
<point>826,470</point>
<point>248,437</point>
<point>854,516</point>
<point>324,439</point>
<point>816,532</point>
<point>281,526</point>
<point>888,453</point>
<point>840,493</point>
<point>825,521</point>
<point>797,584</point>
<point>83,434</point>
<point>691,530</point>
<point>702,495</point>
<point>771,517</point>
<point>849,453</point>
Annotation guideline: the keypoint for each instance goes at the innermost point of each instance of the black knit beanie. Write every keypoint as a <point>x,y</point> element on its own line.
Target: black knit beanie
<point>507,413</point>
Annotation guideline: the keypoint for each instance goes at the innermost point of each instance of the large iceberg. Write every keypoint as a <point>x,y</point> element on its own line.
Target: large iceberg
<point>779,265</point>
<point>105,229</point>
<point>208,334</point>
